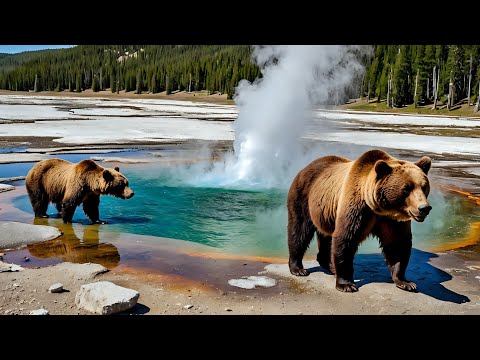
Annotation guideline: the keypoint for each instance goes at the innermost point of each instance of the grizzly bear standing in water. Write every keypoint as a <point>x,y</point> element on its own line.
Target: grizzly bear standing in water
<point>68,185</point>
<point>344,201</point>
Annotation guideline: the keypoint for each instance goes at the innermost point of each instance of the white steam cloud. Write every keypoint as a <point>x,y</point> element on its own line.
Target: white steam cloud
<point>275,110</point>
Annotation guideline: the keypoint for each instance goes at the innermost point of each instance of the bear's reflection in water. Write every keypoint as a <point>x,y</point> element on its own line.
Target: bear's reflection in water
<point>69,247</point>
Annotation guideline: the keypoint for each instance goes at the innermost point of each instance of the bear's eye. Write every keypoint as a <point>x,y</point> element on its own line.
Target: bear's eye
<point>424,187</point>
<point>407,188</point>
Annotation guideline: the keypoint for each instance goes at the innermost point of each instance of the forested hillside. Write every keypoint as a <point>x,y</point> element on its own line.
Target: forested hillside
<point>139,68</point>
<point>411,74</point>
<point>398,74</point>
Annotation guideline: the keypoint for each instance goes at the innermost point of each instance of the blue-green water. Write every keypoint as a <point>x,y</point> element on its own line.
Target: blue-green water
<point>241,221</point>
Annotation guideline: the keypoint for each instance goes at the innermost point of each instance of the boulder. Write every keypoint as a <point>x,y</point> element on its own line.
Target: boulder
<point>105,298</point>
<point>15,234</point>
<point>6,187</point>
<point>4,267</point>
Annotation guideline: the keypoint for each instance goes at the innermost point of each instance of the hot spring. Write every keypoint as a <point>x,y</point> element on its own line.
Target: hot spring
<point>240,222</point>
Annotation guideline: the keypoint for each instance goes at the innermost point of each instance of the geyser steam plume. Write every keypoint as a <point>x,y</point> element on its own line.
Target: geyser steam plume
<point>275,109</point>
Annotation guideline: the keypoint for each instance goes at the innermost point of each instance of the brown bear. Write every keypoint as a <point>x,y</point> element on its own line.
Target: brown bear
<point>68,185</point>
<point>343,201</point>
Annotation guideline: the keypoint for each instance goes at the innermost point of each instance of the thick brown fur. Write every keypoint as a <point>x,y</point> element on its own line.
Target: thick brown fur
<point>343,201</point>
<point>67,185</point>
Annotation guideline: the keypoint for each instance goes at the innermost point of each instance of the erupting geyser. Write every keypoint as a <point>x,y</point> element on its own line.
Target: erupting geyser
<point>274,110</point>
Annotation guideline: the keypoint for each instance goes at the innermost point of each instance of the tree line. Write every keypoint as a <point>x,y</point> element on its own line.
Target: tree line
<point>398,74</point>
<point>139,68</point>
<point>445,75</point>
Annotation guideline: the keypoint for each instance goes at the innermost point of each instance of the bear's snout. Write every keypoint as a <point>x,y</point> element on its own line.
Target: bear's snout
<point>421,213</point>
<point>424,209</point>
<point>128,193</point>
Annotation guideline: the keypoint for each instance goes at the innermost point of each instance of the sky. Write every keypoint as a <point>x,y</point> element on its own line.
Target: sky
<point>12,49</point>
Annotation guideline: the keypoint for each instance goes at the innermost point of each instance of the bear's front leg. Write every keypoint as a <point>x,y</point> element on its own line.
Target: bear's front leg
<point>68,209</point>
<point>352,225</point>
<point>90,208</point>
<point>396,242</point>
<point>343,252</point>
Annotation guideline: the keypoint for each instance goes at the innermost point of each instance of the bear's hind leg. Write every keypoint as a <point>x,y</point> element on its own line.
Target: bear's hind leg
<point>396,242</point>
<point>299,236</point>
<point>69,205</point>
<point>324,251</point>
<point>58,205</point>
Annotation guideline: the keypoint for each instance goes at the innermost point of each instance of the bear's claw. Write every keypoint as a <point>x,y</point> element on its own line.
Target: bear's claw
<point>101,222</point>
<point>345,286</point>
<point>406,285</point>
<point>299,272</point>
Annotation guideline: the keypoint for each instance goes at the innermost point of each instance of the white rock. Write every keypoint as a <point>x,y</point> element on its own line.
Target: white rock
<point>251,282</point>
<point>56,288</point>
<point>85,271</point>
<point>4,267</point>
<point>242,283</point>
<point>12,178</point>
<point>39,312</point>
<point>188,307</point>
<point>105,298</point>
<point>15,234</point>
<point>6,187</point>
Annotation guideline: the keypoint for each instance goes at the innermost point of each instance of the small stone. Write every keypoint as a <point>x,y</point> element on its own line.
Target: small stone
<point>26,259</point>
<point>39,312</point>
<point>228,309</point>
<point>16,285</point>
<point>56,288</point>
<point>188,306</point>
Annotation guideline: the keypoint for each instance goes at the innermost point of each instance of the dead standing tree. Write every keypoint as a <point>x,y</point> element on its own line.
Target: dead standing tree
<point>415,101</point>
<point>437,79</point>
<point>470,80</point>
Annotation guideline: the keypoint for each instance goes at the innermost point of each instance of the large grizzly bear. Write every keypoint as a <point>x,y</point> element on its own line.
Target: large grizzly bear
<point>344,201</point>
<point>68,185</point>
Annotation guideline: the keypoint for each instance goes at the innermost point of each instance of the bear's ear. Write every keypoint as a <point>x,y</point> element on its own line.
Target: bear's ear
<point>382,168</point>
<point>424,163</point>
<point>107,175</point>
<point>116,168</point>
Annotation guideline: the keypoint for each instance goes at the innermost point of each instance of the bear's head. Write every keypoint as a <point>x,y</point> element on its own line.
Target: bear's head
<point>116,184</point>
<point>402,188</point>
